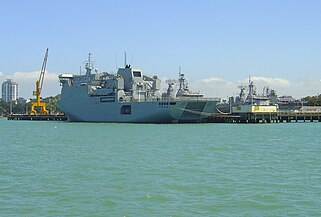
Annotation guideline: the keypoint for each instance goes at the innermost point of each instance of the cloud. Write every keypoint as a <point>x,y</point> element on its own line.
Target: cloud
<point>270,81</point>
<point>212,80</point>
<point>214,86</point>
<point>27,83</point>
<point>219,87</point>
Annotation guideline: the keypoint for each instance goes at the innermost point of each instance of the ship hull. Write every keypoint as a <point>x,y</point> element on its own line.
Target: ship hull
<point>80,107</point>
<point>129,97</point>
<point>140,112</point>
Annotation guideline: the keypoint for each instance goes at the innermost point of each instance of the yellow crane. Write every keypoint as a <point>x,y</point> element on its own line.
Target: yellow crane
<point>38,104</point>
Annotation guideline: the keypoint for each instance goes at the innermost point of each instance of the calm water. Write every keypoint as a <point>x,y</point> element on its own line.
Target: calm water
<point>87,169</point>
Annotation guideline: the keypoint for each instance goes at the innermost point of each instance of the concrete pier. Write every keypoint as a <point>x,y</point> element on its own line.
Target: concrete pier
<point>299,116</point>
<point>272,117</point>
<point>37,117</point>
<point>266,117</point>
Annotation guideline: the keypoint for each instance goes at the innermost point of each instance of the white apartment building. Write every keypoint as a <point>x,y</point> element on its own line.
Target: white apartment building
<point>9,91</point>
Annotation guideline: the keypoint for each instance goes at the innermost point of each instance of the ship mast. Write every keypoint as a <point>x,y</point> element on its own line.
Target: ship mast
<point>89,65</point>
<point>180,79</point>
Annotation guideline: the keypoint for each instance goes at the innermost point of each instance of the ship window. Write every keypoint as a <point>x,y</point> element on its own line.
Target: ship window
<point>172,103</point>
<point>126,110</point>
<point>107,99</point>
<point>137,74</point>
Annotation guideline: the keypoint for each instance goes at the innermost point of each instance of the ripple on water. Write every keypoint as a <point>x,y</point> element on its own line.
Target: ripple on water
<point>71,169</point>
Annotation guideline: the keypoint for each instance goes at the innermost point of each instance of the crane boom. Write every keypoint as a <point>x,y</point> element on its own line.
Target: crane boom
<point>42,72</point>
<point>37,92</point>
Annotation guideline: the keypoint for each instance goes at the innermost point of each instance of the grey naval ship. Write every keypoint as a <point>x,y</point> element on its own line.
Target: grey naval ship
<point>129,96</point>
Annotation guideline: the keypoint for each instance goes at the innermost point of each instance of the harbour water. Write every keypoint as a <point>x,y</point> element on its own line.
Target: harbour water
<point>90,169</point>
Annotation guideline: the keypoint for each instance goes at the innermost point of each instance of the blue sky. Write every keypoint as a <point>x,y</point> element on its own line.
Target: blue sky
<point>217,43</point>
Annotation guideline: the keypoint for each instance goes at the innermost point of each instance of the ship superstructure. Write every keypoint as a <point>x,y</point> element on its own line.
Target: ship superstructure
<point>252,97</point>
<point>129,96</point>
<point>249,100</point>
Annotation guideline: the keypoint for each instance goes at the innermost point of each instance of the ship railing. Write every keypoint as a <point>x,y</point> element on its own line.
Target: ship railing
<point>166,99</point>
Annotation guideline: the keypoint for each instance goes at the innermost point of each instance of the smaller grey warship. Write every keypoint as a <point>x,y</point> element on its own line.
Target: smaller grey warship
<point>129,96</point>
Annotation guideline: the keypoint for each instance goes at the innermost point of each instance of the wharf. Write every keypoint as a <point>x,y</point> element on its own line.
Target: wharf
<point>37,117</point>
<point>300,116</point>
<point>265,117</point>
<point>221,118</point>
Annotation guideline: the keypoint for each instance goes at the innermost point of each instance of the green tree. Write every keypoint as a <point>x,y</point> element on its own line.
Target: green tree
<point>4,109</point>
<point>313,100</point>
<point>52,104</point>
<point>24,108</point>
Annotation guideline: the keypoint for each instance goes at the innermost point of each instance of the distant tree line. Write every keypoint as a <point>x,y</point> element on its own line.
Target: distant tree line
<point>25,108</point>
<point>6,108</point>
<point>313,100</point>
